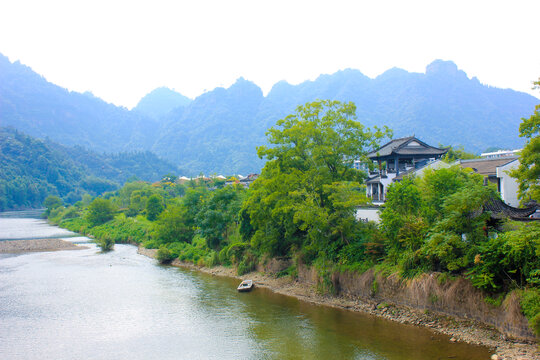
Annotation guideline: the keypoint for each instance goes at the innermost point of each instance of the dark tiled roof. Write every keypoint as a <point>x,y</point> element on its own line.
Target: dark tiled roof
<point>499,209</point>
<point>399,147</point>
<point>486,166</point>
<point>374,180</point>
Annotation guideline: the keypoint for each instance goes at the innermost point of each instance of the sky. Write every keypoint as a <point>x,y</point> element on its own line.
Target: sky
<point>122,50</point>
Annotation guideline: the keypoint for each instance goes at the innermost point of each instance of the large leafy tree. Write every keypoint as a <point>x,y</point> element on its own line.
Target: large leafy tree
<point>171,226</point>
<point>218,215</point>
<point>100,211</point>
<point>528,172</point>
<point>300,195</point>
<point>154,207</point>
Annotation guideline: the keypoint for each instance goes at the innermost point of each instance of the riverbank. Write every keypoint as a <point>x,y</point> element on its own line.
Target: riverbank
<point>36,245</point>
<point>469,331</point>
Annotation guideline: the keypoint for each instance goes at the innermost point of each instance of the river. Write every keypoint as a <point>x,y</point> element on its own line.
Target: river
<point>83,304</point>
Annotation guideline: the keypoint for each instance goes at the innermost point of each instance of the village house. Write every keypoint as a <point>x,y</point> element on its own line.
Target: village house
<point>396,158</point>
<point>411,157</point>
<point>496,170</point>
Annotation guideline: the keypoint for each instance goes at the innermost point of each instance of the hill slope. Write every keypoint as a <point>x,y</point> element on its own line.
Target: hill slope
<point>31,169</point>
<point>31,104</point>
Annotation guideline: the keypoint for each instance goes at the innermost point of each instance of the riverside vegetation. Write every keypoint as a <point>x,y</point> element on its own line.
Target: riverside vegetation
<point>302,207</point>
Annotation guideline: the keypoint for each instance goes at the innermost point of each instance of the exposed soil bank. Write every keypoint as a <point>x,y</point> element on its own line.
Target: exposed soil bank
<point>458,328</point>
<point>21,246</point>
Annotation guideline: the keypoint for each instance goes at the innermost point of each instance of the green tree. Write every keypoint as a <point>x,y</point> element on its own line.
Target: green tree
<point>309,160</point>
<point>100,211</point>
<point>528,172</point>
<point>52,202</point>
<point>219,214</point>
<point>455,238</point>
<point>457,153</point>
<point>436,185</point>
<point>154,207</point>
<point>401,219</point>
<point>171,226</point>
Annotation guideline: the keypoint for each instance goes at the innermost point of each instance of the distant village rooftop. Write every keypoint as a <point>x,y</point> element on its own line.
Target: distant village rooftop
<point>500,154</point>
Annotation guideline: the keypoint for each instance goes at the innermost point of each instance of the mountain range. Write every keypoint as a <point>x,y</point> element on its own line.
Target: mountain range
<point>218,131</point>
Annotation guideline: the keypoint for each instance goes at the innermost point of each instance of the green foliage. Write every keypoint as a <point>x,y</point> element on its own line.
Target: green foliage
<point>154,207</point>
<point>374,287</point>
<point>32,169</point>
<point>495,301</point>
<point>164,255</point>
<point>100,211</point>
<point>105,243</point>
<point>325,285</point>
<point>528,172</point>
<point>308,189</point>
<point>218,211</point>
<point>401,222</point>
<point>530,305</point>
<point>510,260</point>
<point>51,202</point>
<point>291,271</point>
<point>455,238</point>
<point>58,214</point>
<point>248,264</point>
<point>436,185</point>
<point>123,230</point>
<point>80,225</point>
<point>172,226</point>
<point>457,153</point>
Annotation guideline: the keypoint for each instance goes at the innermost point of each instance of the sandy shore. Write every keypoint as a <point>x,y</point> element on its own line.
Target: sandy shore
<point>468,331</point>
<point>21,246</point>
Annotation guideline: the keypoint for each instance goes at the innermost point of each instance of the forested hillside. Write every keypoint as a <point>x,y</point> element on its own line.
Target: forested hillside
<point>31,169</point>
<point>218,131</point>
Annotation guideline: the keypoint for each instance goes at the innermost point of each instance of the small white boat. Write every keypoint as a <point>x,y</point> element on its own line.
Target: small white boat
<point>245,286</point>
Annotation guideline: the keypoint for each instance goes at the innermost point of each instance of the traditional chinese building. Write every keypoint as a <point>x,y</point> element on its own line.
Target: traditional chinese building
<point>397,157</point>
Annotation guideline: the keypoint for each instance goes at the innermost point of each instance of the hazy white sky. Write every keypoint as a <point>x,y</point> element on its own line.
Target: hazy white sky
<point>121,50</point>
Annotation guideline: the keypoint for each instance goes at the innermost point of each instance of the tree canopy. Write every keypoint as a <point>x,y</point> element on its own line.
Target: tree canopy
<point>307,177</point>
<point>100,211</point>
<point>528,172</point>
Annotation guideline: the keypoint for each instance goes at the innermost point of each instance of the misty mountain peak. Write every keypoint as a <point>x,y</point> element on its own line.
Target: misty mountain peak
<point>444,68</point>
<point>243,87</point>
<point>160,101</point>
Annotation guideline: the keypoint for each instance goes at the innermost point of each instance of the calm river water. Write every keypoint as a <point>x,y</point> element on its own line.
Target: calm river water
<point>81,304</point>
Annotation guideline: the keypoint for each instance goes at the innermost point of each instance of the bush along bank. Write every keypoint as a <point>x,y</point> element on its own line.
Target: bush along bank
<point>302,207</point>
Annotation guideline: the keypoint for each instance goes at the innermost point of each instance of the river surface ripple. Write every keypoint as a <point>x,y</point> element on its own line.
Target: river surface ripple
<point>83,304</point>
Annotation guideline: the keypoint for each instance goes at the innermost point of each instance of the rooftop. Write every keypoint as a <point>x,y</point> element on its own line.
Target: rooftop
<point>407,146</point>
<point>487,166</point>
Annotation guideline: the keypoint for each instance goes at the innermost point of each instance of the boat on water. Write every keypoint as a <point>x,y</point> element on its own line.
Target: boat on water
<point>245,286</point>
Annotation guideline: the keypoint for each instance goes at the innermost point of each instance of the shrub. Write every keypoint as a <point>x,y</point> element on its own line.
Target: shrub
<point>164,255</point>
<point>291,271</point>
<point>530,305</point>
<point>100,211</point>
<point>105,243</point>
<point>224,257</point>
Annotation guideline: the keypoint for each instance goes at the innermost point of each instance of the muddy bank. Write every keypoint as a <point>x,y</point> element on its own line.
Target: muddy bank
<point>459,329</point>
<point>21,246</point>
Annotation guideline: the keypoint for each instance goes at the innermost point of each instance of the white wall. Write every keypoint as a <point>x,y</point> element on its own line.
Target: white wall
<point>509,185</point>
<point>368,214</point>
